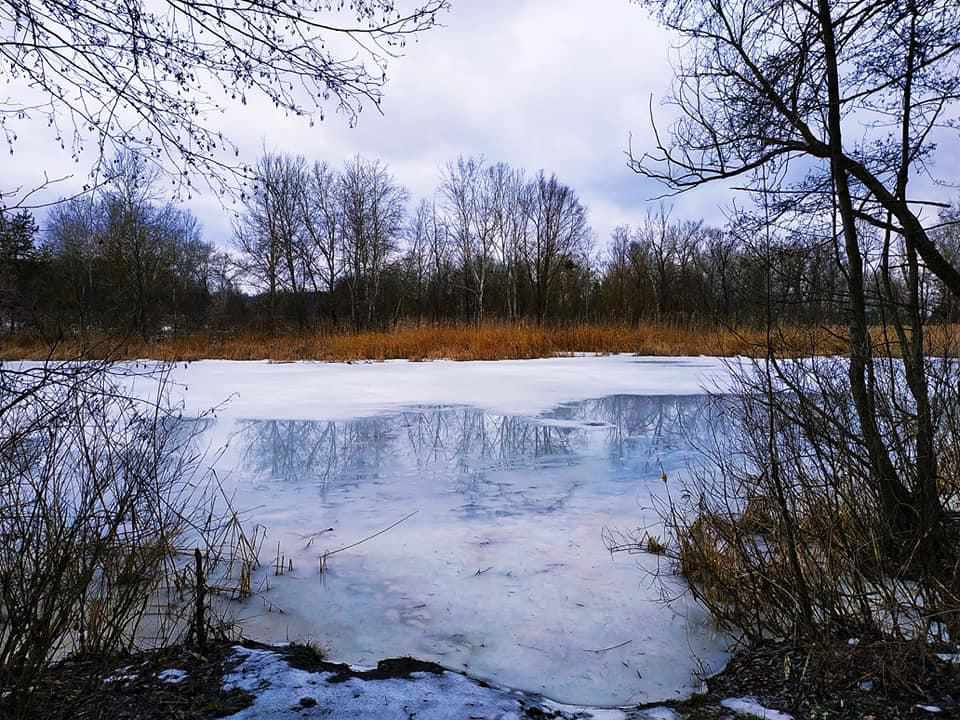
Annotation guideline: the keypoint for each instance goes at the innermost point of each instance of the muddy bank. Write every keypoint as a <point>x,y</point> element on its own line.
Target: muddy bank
<point>777,682</point>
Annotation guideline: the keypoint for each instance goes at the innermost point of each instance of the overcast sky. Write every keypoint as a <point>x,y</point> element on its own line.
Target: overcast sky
<point>552,84</point>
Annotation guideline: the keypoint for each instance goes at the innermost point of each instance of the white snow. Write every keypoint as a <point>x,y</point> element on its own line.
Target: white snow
<point>659,713</point>
<point>124,674</point>
<point>281,691</point>
<point>751,708</point>
<point>331,391</point>
<point>173,676</point>
<point>933,709</point>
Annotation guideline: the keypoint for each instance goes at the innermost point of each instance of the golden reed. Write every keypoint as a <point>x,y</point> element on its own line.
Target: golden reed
<point>490,341</point>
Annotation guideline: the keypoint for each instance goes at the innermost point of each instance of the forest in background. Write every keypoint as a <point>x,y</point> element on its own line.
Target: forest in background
<point>318,248</point>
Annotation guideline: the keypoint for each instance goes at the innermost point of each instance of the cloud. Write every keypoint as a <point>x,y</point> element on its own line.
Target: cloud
<point>552,84</point>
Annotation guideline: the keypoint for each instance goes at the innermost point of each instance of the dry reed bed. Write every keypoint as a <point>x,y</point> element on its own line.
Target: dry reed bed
<point>492,341</point>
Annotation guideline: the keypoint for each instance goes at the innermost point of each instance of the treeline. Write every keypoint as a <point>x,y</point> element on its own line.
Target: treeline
<point>113,261</point>
<point>337,245</point>
<point>322,247</point>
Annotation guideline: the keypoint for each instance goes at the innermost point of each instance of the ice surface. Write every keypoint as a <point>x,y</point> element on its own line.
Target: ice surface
<point>513,469</point>
<point>329,391</point>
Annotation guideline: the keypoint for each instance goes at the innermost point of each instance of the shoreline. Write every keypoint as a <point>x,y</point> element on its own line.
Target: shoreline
<point>248,679</point>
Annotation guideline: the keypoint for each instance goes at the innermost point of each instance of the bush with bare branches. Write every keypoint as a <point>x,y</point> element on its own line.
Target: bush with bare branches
<point>103,498</point>
<point>781,533</point>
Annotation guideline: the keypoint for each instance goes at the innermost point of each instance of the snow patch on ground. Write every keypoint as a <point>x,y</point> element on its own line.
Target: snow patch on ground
<point>173,676</point>
<point>751,708</point>
<point>281,691</point>
<point>124,674</point>
<point>659,713</point>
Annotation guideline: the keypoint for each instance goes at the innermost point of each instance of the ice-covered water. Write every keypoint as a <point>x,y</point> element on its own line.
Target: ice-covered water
<point>502,571</point>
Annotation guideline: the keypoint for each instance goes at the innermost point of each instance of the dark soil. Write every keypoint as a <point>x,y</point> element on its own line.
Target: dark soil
<point>127,687</point>
<point>836,681</point>
<point>310,658</point>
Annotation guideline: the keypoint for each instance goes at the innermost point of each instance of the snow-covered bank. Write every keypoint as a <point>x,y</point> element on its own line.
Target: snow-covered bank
<point>296,682</point>
<point>281,691</point>
<point>278,691</point>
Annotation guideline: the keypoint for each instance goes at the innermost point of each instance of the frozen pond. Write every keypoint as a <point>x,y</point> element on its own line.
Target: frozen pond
<point>502,571</point>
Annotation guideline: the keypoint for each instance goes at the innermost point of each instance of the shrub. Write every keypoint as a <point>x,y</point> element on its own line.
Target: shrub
<point>781,533</point>
<point>102,497</point>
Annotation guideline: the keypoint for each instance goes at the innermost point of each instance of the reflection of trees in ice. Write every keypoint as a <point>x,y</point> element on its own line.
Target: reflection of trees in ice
<point>482,455</point>
<point>499,464</point>
<point>646,433</point>
<point>473,440</point>
<point>316,453</point>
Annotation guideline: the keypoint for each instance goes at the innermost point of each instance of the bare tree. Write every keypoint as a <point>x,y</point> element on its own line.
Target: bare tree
<point>373,206</point>
<point>764,86</point>
<point>617,269</point>
<point>129,236</point>
<point>323,225</point>
<point>144,77</point>
<point>509,186</point>
<point>753,89</point>
<point>471,204</point>
<point>439,251</point>
<point>417,255</point>
<point>558,232</point>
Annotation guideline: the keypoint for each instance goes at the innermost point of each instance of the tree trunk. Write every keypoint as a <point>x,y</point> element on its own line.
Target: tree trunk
<point>894,497</point>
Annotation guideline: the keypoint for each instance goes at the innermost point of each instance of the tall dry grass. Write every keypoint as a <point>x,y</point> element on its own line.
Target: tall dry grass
<point>492,341</point>
<point>781,530</point>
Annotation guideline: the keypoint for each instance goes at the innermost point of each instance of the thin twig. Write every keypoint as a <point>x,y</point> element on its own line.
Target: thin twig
<point>612,647</point>
<point>370,537</point>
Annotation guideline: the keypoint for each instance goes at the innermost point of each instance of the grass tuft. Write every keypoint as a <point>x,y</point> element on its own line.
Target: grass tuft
<point>305,656</point>
<point>655,546</point>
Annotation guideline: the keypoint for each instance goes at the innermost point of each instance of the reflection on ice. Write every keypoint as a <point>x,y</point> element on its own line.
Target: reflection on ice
<point>502,571</point>
<point>470,449</point>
